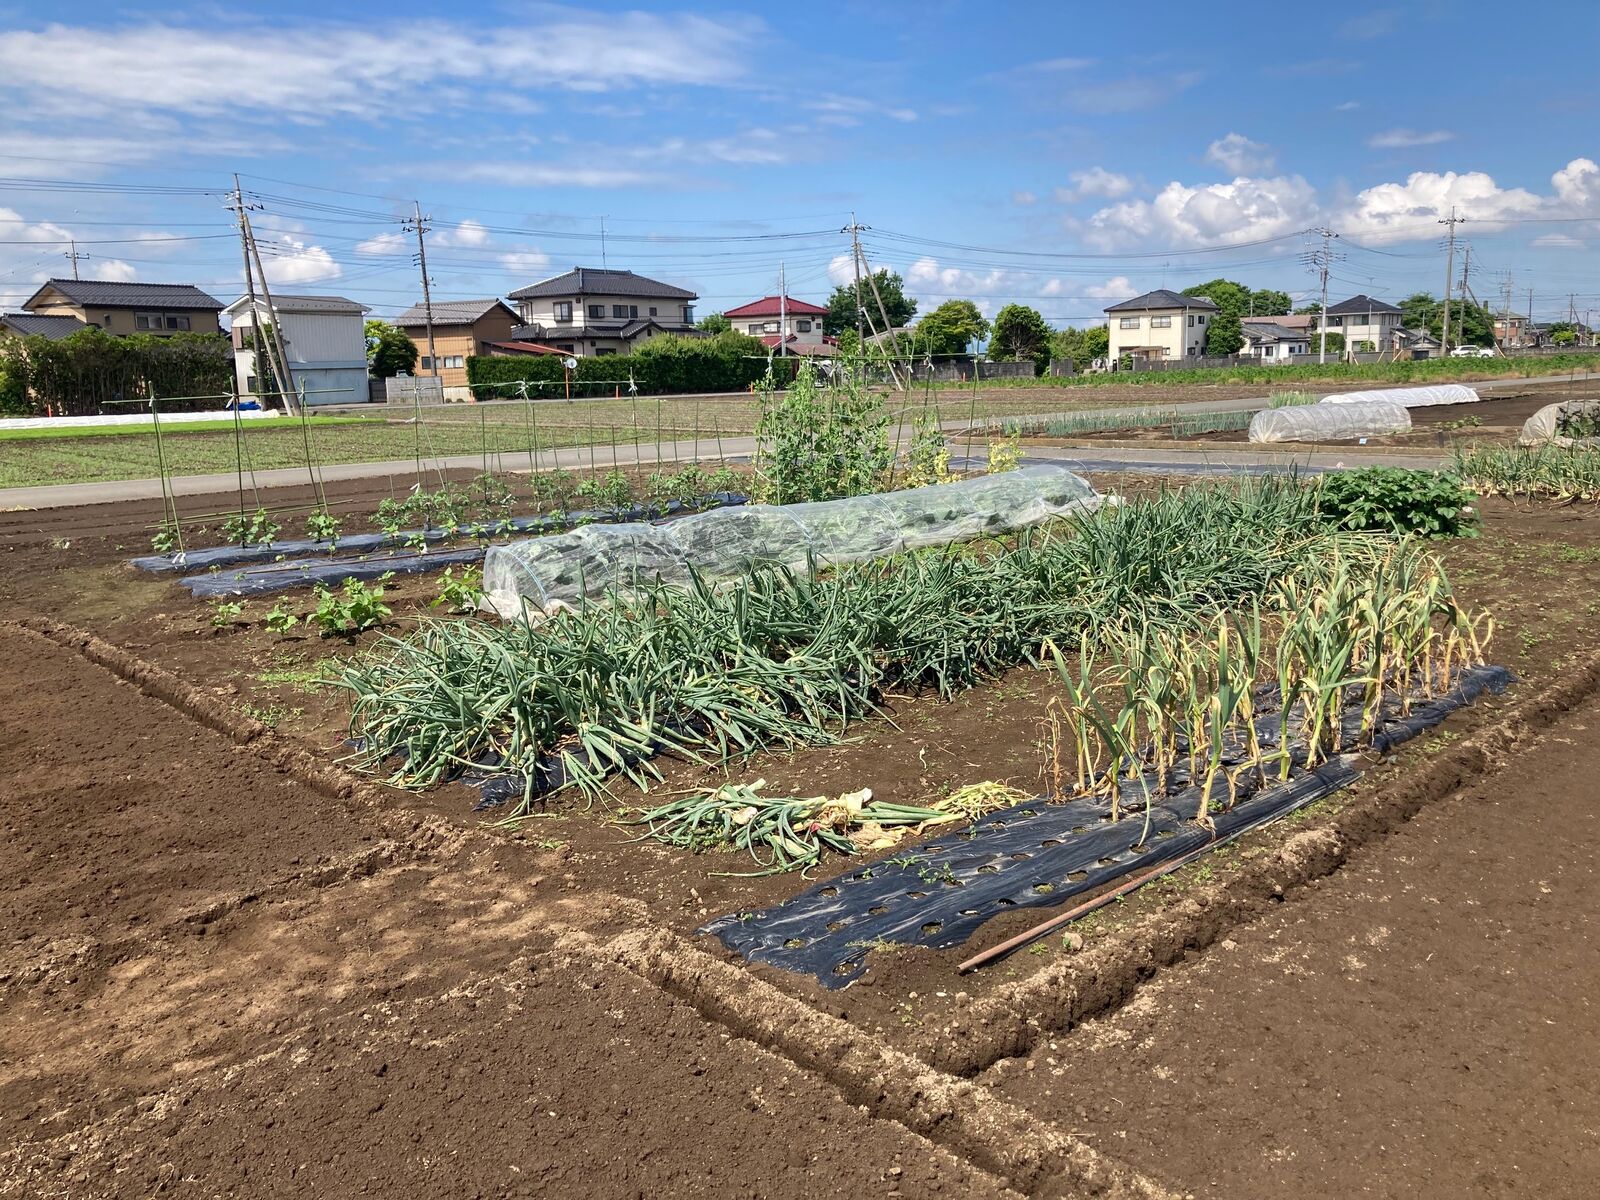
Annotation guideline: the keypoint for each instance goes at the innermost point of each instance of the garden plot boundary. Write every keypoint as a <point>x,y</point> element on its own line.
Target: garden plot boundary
<point>1011,1021</point>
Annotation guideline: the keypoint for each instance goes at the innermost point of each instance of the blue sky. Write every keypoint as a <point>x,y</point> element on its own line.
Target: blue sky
<point>1061,155</point>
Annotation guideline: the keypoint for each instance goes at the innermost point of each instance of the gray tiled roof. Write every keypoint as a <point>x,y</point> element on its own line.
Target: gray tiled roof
<point>54,328</point>
<point>300,304</point>
<point>1267,331</point>
<point>111,293</point>
<point>1360,305</point>
<point>587,281</point>
<point>450,312</point>
<point>1162,298</point>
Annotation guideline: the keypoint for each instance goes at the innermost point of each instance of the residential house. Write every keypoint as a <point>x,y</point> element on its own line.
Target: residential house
<point>123,308</point>
<point>1361,319</point>
<point>1272,343</point>
<point>461,328</point>
<point>27,324</point>
<point>1160,325</point>
<point>1513,329</point>
<point>592,312</point>
<point>1414,344</point>
<point>794,324</point>
<point>324,338</point>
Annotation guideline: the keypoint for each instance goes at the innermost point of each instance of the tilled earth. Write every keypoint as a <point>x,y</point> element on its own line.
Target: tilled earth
<point>218,977</point>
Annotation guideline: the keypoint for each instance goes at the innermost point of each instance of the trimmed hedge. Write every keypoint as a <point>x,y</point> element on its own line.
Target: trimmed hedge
<point>84,374</point>
<point>727,362</point>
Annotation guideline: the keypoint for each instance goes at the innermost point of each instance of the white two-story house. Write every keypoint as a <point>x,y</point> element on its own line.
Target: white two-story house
<point>1160,325</point>
<point>1362,320</point>
<point>589,312</point>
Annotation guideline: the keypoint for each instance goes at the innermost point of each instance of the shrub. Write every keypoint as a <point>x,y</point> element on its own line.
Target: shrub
<point>1396,500</point>
<point>351,610</point>
<point>726,362</point>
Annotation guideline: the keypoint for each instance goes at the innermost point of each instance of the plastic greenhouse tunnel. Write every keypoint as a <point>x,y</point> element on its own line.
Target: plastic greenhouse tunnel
<point>548,573</point>
<point>1329,422</point>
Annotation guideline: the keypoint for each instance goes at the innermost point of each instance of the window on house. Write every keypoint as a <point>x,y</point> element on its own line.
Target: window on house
<point>1160,322</point>
<point>755,328</point>
<point>1335,320</point>
<point>769,327</point>
<point>566,346</point>
<point>1128,323</point>
<point>625,311</point>
<point>425,363</point>
<point>1266,352</point>
<point>597,311</point>
<point>177,322</point>
<point>688,314</point>
<point>1191,320</point>
<point>652,310</point>
<point>147,320</point>
<point>803,326</point>
<point>563,310</point>
<point>602,351</point>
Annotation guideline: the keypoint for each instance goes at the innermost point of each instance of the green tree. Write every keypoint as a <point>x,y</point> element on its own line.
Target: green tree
<point>1335,344</point>
<point>950,328</point>
<point>1269,302</point>
<point>390,350</point>
<point>714,323</point>
<point>1308,310</point>
<point>899,307</point>
<point>1229,297</point>
<point>1470,324</point>
<point>1563,337</point>
<point>1019,332</point>
<point>1224,334</point>
<point>1080,346</point>
<point>1420,311</point>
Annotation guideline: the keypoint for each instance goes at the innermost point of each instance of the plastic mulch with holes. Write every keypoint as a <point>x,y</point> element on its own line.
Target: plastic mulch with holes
<point>939,893</point>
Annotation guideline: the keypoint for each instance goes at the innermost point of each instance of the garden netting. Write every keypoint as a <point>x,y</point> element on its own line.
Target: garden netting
<point>1329,422</point>
<point>546,573</point>
<point>1411,397</point>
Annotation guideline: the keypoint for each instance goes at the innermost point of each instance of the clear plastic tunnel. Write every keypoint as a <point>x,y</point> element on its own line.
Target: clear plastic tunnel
<point>1327,422</point>
<point>548,572</point>
<point>1411,397</point>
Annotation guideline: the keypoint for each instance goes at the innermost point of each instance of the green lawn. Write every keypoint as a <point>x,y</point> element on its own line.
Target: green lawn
<point>34,457</point>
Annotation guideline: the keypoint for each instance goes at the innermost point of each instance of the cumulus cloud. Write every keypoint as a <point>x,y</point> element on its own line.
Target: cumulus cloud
<point>1240,155</point>
<point>1097,182</point>
<point>1401,211</point>
<point>288,259</point>
<point>1404,139</point>
<point>525,262</point>
<point>363,70</point>
<point>468,233</point>
<point>1216,214</point>
<point>1118,287</point>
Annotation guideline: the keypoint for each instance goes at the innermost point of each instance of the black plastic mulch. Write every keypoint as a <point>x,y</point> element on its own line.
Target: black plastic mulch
<point>1036,854</point>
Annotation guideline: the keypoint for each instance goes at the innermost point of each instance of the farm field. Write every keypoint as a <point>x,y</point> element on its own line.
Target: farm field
<point>203,918</point>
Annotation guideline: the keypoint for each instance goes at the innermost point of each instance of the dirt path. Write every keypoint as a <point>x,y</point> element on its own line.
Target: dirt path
<point>216,981</point>
<point>1423,1023</point>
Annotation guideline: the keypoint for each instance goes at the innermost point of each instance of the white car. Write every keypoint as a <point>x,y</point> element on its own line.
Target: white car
<point>1472,352</point>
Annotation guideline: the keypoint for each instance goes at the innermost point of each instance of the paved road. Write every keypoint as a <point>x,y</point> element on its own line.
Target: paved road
<point>1210,460</point>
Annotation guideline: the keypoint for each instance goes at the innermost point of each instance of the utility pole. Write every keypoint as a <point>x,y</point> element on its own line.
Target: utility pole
<point>1461,318</point>
<point>74,255</point>
<point>258,347</point>
<point>419,224</point>
<point>1449,277</point>
<point>1322,259</point>
<point>285,372</point>
<point>854,229</point>
<point>602,243</point>
<point>1529,326</point>
<point>783,314</point>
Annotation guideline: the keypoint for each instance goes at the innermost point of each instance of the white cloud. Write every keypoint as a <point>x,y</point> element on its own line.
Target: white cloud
<point>1239,154</point>
<point>1403,139</point>
<point>1560,241</point>
<point>1096,181</point>
<point>1118,287</point>
<point>1409,210</point>
<point>525,262</point>
<point>1216,214</point>
<point>113,268</point>
<point>527,174</point>
<point>288,259</point>
<point>386,243</point>
<point>360,70</point>
<point>846,111</point>
<point>1024,199</point>
<point>468,233</point>
<point>1347,106</point>
<point>1577,187</point>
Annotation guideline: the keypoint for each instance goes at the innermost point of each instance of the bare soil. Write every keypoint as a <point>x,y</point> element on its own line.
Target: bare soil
<point>218,980</point>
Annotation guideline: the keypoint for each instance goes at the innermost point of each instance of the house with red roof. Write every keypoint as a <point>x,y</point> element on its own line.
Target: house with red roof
<point>783,320</point>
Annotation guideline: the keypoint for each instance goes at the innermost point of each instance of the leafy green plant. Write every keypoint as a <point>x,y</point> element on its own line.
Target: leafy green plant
<point>281,619</point>
<point>821,442</point>
<point>459,593</point>
<point>610,492</point>
<point>258,529</point>
<point>1396,500</point>
<point>1289,399</point>
<point>350,610</point>
<point>225,613</point>
<point>1004,455</point>
<point>165,539</point>
<point>322,526</point>
<point>928,458</point>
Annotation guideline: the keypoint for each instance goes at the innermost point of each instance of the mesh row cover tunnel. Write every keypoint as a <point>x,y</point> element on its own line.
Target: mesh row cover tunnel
<point>549,572</point>
<point>1325,422</point>
<point>1545,426</point>
<point>1412,397</point>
